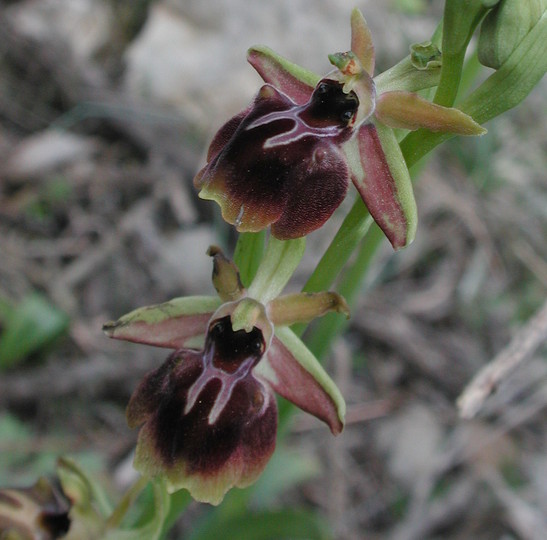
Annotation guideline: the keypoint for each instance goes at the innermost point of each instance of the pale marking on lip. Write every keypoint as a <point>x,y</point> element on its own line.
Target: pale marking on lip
<point>298,131</point>
<point>227,381</point>
<point>239,217</point>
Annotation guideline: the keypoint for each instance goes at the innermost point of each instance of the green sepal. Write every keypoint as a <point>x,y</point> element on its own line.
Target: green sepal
<point>169,325</point>
<point>304,357</point>
<point>295,374</point>
<point>382,179</point>
<point>401,176</point>
<point>292,79</point>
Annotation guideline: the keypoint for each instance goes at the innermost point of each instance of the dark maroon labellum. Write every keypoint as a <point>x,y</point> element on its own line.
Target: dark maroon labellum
<point>280,163</point>
<point>202,409</point>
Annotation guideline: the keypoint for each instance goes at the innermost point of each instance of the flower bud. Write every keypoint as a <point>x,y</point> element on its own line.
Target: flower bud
<point>504,27</point>
<point>37,512</point>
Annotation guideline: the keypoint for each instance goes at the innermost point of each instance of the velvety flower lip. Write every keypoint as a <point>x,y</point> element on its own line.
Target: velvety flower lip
<point>280,163</point>
<point>208,422</point>
<point>286,160</point>
<point>208,415</point>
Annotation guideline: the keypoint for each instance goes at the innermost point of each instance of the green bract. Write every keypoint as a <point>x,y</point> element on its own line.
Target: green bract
<point>504,27</point>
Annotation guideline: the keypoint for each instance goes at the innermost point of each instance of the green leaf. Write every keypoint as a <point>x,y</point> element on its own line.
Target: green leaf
<point>28,327</point>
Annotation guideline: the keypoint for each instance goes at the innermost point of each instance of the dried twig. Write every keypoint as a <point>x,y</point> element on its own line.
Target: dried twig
<point>524,516</point>
<point>521,347</point>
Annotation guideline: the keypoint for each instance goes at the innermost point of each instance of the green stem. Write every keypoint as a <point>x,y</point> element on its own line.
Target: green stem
<point>460,19</point>
<point>450,77</point>
<point>351,232</point>
<point>179,501</point>
<point>280,260</point>
<point>248,254</point>
<point>332,324</point>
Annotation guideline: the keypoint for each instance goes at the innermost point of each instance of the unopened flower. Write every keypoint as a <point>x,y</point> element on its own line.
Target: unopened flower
<point>287,159</point>
<point>209,414</point>
<point>36,513</point>
<point>504,27</point>
<point>74,507</point>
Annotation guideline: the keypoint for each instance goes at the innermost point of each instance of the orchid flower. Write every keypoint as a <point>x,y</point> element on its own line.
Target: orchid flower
<point>286,160</point>
<point>74,507</point>
<point>208,414</point>
<point>39,511</point>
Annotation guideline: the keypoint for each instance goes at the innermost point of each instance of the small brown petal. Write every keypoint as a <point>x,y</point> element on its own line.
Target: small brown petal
<point>226,279</point>
<point>406,110</point>
<point>304,307</point>
<point>361,41</point>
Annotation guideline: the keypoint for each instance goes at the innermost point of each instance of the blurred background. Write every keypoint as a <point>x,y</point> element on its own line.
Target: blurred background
<point>106,110</point>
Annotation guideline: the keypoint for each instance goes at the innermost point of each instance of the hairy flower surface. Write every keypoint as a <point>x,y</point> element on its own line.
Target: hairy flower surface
<point>282,163</point>
<point>208,421</point>
<point>209,413</point>
<point>286,160</point>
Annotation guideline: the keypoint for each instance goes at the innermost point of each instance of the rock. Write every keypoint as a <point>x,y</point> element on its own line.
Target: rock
<point>46,151</point>
<point>411,440</point>
<point>84,25</point>
<point>183,263</point>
